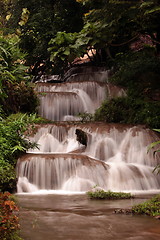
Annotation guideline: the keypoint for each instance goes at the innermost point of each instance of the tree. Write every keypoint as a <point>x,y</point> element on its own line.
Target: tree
<point>45,19</point>
<point>16,92</point>
<point>110,27</point>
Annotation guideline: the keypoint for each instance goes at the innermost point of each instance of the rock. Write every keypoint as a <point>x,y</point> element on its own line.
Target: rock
<point>81,137</point>
<point>123,211</point>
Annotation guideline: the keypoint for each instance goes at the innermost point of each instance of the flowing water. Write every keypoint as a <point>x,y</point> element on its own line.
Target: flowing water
<point>114,158</point>
<point>74,157</point>
<point>70,217</point>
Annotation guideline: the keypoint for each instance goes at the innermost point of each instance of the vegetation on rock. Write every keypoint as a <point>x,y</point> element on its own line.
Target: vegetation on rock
<point>150,207</point>
<point>101,194</point>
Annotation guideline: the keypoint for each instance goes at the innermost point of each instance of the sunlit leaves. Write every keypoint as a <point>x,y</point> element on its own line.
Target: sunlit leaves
<point>24,17</point>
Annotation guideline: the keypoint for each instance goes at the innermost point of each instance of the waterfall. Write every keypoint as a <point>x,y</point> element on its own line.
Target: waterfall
<point>77,156</point>
<point>66,172</point>
<point>64,101</point>
<point>115,158</point>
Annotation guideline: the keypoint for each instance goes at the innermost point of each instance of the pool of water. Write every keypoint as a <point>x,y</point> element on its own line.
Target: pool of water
<point>75,217</point>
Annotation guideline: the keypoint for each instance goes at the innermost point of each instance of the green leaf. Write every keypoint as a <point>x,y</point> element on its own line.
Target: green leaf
<point>146,4</point>
<point>66,52</point>
<point>157,130</point>
<point>156,9</point>
<point>152,145</point>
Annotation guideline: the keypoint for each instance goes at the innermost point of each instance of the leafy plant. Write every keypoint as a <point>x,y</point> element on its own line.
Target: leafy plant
<point>139,73</point>
<point>150,207</point>
<point>16,91</point>
<point>86,117</point>
<point>9,222</point>
<point>12,145</point>
<point>101,194</point>
<point>152,146</point>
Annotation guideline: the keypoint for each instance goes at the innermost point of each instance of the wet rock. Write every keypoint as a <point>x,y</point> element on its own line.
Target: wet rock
<point>123,211</point>
<point>81,137</point>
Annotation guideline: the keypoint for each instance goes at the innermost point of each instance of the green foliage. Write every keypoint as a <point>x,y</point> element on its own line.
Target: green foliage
<point>155,146</point>
<point>44,20</point>
<point>107,26</point>
<point>85,117</point>
<point>129,110</point>
<point>101,194</point>
<point>110,27</point>
<point>138,71</point>
<point>62,48</point>
<point>150,207</point>
<point>9,222</point>
<point>7,177</point>
<point>16,92</point>
<point>12,145</point>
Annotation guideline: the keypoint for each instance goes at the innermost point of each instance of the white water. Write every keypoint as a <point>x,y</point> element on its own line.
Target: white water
<point>114,158</point>
<point>64,101</point>
<point>123,162</point>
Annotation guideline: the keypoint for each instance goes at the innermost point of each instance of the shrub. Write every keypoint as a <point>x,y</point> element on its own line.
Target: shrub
<point>12,145</point>
<point>150,207</point>
<point>101,194</point>
<point>8,179</point>
<point>9,222</point>
<point>16,91</point>
<point>139,73</point>
<point>129,110</point>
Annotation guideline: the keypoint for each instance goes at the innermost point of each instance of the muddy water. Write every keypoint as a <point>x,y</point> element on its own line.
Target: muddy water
<point>75,217</point>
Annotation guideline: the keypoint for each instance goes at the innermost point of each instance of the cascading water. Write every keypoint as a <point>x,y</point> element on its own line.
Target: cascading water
<point>64,101</point>
<point>77,157</point>
<point>115,158</point>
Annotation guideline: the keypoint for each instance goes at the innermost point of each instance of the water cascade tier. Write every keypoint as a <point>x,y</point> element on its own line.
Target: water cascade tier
<point>65,101</point>
<point>80,156</point>
<point>76,156</point>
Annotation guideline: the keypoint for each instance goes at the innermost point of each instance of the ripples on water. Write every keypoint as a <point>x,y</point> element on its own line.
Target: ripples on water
<point>75,217</point>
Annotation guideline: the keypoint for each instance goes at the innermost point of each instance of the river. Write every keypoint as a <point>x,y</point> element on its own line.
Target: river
<point>75,217</point>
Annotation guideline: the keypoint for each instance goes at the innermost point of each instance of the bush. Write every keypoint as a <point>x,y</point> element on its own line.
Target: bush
<point>131,111</point>
<point>150,207</point>
<point>9,222</point>
<point>101,194</point>
<point>137,71</point>
<point>114,110</point>
<point>19,97</point>
<point>8,179</point>
<point>16,91</point>
<point>12,145</point>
